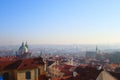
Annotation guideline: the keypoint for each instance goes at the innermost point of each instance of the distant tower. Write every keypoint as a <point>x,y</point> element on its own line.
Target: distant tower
<point>40,53</point>
<point>26,44</point>
<point>22,43</point>
<point>96,48</point>
<point>71,61</point>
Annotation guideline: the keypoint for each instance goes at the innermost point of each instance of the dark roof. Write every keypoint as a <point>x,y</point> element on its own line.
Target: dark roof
<point>4,64</point>
<point>13,65</point>
<point>50,62</point>
<point>87,73</point>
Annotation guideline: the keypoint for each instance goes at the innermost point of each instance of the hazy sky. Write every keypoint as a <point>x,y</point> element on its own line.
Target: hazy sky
<point>59,21</point>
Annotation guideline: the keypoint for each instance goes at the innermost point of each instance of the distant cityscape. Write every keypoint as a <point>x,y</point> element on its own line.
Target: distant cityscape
<point>55,49</point>
<point>59,63</point>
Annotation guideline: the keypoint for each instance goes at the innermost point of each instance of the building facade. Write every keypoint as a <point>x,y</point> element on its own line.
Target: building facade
<point>25,69</point>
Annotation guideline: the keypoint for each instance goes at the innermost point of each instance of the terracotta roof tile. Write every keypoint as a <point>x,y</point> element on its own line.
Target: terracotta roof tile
<point>27,64</point>
<point>21,64</point>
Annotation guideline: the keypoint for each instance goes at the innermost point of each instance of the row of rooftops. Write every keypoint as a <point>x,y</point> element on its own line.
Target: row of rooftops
<point>84,72</point>
<point>89,73</point>
<point>20,64</point>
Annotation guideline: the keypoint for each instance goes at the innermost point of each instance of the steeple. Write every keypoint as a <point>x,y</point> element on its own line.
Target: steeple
<point>96,49</point>
<point>22,43</point>
<point>26,44</point>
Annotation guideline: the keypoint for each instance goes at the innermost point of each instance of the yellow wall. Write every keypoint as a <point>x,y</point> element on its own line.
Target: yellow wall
<point>104,75</point>
<point>42,72</point>
<point>21,74</point>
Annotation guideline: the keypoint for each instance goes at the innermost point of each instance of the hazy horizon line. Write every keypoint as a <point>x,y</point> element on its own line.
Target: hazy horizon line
<point>63,44</point>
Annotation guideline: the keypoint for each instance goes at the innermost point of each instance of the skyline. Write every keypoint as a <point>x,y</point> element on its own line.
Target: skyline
<point>59,22</point>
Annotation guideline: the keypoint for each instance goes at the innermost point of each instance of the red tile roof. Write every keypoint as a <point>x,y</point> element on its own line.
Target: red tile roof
<point>56,79</point>
<point>27,64</point>
<point>64,69</point>
<point>4,64</point>
<point>21,64</point>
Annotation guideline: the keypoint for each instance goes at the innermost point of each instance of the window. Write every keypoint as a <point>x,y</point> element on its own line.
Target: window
<point>6,76</point>
<point>28,75</point>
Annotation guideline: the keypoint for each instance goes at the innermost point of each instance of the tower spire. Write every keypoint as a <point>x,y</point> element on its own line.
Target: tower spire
<point>26,44</point>
<point>96,48</point>
<point>22,43</point>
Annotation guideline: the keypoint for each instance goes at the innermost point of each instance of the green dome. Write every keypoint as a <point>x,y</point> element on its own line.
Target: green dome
<point>23,48</point>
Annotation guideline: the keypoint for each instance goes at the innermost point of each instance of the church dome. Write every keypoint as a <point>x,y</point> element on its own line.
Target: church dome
<point>23,49</point>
